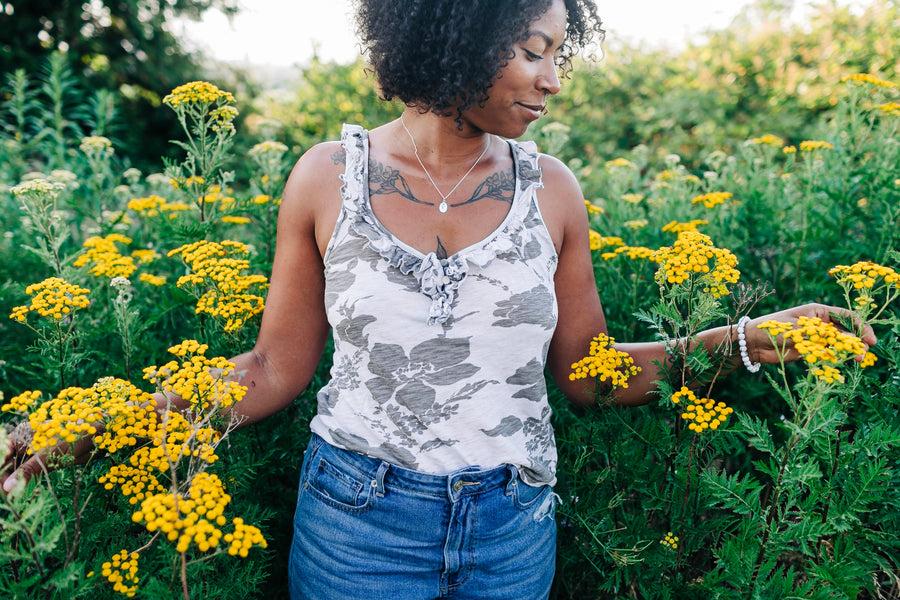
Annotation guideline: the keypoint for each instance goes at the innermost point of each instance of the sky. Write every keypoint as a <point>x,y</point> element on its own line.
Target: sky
<point>282,33</point>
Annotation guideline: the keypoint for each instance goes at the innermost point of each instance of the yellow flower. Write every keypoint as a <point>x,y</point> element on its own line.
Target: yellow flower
<point>821,344</point>
<point>96,144</point>
<point>620,163</point>
<point>152,279</point>
<point>197,92</point>
<point>593,209</point>
<point>636,224</point>
<point>219,282</point>
<point>694,261</point>
<point>53,298</point>
<point>813,145</point>
<point>676,227</point>
<point>22,402</point>
<point>865,78</point>
<point>712,199</point>
<point>121,571</point>
<point>235,220</point>
<point>605,363</point>
<point>670,541</point>
<point>105,256</point>
<point>632,198</point>
<point>197,379</point>
<point>632,252</point>
<point>702,414</point>
<point>769,140</point>
<point>890,108</point>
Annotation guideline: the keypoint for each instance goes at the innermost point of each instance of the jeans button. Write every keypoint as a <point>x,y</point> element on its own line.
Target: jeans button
<point>458,485</point>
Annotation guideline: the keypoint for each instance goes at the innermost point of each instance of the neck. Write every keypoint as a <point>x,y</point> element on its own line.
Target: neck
<point>442,145</point>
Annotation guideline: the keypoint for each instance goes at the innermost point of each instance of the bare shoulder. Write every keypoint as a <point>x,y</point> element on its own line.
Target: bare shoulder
<point>312,194</point>
<point>561,200</point>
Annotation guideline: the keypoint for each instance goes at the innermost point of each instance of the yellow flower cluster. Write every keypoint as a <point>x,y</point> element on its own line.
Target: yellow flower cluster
<point>21,403</point>
<point>226,295</point>
<point>821,343</point>
<point>197,92</point>
<point>712,199</point>
<point>601,241</point>
<point>620,163</point>
<point>636,224</point>
<point>702,413</point>
<point>768,140</point>
<point>633,198</point>
<point>693,259</point>
<point>670,541</point>
<point>121,571</point>
<point>866,78</point>
<point>54,298</point>
<point>153,205</point>
<point>105,256</point>
<point>215,195</point>
<point>890,108</point>
<point>122,410</point>
<point>632,252</point>
<point>813,145</point>
<point>678,227</point>
<point>135,482</point>
<point>593,209</point>
<point>145,255</point>
<point>244,537</point>
<point>152,279</point>
<point>235,220</point>
<point>864,275</point>
<point>192,519</point>
<point>197,379</point>
<point>605,363</point>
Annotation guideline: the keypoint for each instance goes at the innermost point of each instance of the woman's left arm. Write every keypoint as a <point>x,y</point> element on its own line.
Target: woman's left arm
<point>581,315</point>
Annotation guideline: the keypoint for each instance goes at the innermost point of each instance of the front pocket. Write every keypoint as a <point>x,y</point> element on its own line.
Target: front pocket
<point>351,492</point>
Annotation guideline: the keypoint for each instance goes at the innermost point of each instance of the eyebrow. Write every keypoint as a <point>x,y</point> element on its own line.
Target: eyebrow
<point>548,41</point>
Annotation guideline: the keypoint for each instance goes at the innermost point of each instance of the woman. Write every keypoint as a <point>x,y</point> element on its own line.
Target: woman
<point>451,266</point>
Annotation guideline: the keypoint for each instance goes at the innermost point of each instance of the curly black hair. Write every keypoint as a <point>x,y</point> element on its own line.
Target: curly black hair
<point>444,54</point>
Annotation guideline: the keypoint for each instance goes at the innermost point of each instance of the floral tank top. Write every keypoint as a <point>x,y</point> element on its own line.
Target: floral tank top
<point>439,363</point>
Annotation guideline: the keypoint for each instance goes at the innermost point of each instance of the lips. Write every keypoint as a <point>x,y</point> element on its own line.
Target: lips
<point>533,108</point>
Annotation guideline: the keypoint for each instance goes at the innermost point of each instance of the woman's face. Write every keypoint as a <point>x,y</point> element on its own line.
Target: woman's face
<point>522,87</point>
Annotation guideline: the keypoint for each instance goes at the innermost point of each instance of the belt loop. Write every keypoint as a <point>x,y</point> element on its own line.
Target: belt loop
<point>379,478</point>
<point>513,479</point>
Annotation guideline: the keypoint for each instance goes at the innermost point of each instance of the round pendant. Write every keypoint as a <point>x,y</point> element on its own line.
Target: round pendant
<point>443,206</point>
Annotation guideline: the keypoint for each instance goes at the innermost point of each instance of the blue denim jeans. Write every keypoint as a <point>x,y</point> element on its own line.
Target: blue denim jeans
<point>365,529</point>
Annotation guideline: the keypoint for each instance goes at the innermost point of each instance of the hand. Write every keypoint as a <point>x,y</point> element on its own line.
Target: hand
<point>761,349</point>
<point>19,465</point>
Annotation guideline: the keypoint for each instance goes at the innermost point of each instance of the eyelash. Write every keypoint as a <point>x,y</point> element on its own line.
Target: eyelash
<point>531,55</point>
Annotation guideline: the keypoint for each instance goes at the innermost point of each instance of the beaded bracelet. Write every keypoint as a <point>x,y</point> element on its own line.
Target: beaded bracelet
<point>753,367</point>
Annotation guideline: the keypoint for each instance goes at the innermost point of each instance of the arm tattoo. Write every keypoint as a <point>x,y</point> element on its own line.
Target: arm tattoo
<point>384,179</point>
<point>498,186</point>
<point>339,157</point>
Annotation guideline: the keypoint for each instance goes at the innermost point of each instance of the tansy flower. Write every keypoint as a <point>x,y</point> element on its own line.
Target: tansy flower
<point>768,140</point>
<point>693,260</point>
<point>235,220</point>
<point>821,345</point>
<point>865,78</point>
<point>702,414</point>
<point>676,227</point>
<point>632,198</point>
<point>636,224</point>
<point>105,256</point>
<point>197,92</point>
<point>889,108</point>
<point>152,279</point>
<point>268,147</point>
<point>96,145</point>
<point>53,298</point>
<point>620,163</point>
<point>632,252</point>
<point>593,209</point>
<point>813,145</point>
<point>670,541</point>
<point>712,199</point>
<point>121,571</point>
<point>605,363</point>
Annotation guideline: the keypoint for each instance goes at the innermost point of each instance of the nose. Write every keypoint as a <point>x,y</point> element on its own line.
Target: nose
<point>548,79</point>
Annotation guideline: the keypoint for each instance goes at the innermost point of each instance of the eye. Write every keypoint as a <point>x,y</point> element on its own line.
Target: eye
<point>531,55</point>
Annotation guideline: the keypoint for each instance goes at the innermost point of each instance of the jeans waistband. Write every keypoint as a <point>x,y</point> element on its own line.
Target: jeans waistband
<point>467,481</point>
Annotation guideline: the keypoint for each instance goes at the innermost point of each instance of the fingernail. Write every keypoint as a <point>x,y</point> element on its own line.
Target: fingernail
<point>10,483</point>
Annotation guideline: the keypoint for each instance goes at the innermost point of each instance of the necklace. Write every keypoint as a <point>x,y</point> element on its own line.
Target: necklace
<point>443,206</point>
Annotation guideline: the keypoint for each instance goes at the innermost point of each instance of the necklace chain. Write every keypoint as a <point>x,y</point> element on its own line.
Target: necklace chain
<point>443,206</point>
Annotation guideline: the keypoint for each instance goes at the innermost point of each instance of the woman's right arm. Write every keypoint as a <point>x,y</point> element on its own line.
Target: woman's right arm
<point>294,326</point>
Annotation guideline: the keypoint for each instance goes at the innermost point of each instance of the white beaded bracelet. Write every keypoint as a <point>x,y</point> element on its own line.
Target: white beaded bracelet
<point>753,367</point>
